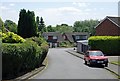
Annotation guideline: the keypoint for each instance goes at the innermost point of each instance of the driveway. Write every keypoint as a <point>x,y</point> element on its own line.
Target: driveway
<point>62,65</point>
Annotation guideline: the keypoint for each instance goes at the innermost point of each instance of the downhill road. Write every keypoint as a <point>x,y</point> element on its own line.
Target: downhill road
<point>62,65</point>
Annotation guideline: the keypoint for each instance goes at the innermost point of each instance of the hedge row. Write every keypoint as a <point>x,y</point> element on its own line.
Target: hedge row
<point>21,57</point>
<point>110,45</point>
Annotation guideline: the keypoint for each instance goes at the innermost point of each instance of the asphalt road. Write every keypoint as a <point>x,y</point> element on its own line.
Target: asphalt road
<point>62,65</point>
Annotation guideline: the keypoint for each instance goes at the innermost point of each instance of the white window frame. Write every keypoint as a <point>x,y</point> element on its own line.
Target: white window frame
<point>54,37</point>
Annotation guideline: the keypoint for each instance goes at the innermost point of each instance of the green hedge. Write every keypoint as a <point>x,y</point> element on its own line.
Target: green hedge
<point>110,45</point>
<point>20,57</point>
<point>43,44</point>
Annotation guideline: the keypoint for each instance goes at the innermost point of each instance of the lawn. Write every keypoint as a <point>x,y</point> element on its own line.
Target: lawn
<point>115,62</point>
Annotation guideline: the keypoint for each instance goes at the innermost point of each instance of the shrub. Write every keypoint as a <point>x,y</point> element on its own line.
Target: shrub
<point>43,45</point>
<point>10,37</point>
<point>108,44</point>
<point>20,57</point>
<point>66,44</point>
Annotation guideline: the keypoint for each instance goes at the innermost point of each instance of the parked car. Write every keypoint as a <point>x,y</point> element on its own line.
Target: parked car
<point>92,57</point>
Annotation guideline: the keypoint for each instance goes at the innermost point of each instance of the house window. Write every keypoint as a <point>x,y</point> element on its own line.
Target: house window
<point>46,37</point>
<point>84,37</point>
<point>64,37</point>
<point>54,37</point>
<point>77,37</point>
<point>50,37</point>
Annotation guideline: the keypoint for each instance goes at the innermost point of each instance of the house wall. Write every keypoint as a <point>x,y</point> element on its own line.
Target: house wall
<point>107,28</point>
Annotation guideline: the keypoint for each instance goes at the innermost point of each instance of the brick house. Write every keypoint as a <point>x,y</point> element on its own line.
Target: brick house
<point>109,26</point>
<point>53,38</point>
<point>75,36</point>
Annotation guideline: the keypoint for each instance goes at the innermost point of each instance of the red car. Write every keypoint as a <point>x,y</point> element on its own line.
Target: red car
<point>92,57</point>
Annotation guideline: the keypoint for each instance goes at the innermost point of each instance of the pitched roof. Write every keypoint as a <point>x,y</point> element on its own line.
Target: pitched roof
<point>59,35</point>
<point>114,20</point>
<point>71,34</point>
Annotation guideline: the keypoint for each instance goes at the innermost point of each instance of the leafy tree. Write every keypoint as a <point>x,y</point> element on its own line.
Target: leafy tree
<point>26,24</point>
<point>85,26</point>
<point>50,29</point>
<point>10,25</point>
<point>63,28</point>
<point>2,26</point>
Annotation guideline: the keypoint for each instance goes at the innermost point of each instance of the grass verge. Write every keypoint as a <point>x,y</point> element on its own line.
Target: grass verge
<point>115,62</point>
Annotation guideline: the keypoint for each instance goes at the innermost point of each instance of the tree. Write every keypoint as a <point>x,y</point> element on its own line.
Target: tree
<point>85,26</point>
<point>37,21</point>
<point>63,28</point>
<point>26,24</point>
<point>50,29</point>
<point>10,25</point>
<point>41,27</point>
<point>2,26</point>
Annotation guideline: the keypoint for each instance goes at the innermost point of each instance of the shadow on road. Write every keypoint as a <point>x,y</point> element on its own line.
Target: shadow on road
<point>96,66</point>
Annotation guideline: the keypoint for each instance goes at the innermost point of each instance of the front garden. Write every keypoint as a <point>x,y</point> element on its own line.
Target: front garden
<point>21,55</point>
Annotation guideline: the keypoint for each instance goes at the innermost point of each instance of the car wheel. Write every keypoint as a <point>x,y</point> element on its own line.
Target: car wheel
<point>85,62</point>
<point>106,65</point>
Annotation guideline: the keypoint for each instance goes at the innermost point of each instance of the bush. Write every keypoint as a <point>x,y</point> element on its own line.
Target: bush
<point>66,44</point>
<point>20,57</point>
<point>10,37</point>
<point>43,44</point>
<point>108,44</point>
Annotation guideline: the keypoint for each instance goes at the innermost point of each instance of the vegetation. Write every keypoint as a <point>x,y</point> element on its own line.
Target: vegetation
<point>11,26</point>
<point>10,37</point>
<point>2,29</point>
<point>108,44</point>
<point>26,24</point>
<point>40,24</point>
<point>85,26</point>
<point>66,44</point>
<point>115,62</point>
<point>50,28</point>
<point>23,57</point>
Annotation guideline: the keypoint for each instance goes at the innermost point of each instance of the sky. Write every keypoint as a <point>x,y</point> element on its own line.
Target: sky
<point>59,12</point>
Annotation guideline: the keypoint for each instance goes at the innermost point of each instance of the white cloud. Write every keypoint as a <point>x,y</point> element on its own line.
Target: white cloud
<point>87,10</point>
<point>68,9</point>
<point>12,4</point>
<point>59,0</point>
<point>83,4</point>
<point>3,8</point>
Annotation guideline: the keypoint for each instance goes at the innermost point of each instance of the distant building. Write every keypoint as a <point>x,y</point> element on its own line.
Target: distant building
<point>53,38</point>
<point>109,26</point>
<point>75,36</point>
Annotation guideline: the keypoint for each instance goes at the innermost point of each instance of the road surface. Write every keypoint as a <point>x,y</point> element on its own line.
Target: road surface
<point>62,65</point>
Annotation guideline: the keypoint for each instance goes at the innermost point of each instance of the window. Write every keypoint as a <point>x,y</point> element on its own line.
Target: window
<point>46,37</point>
<point>77,37</point>
<point>54,37</point>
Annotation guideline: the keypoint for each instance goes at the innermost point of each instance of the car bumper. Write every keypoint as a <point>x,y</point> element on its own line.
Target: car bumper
<point>98,62</point>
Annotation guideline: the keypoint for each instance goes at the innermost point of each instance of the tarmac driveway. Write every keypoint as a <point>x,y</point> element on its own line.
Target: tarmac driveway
<point>62,65</point>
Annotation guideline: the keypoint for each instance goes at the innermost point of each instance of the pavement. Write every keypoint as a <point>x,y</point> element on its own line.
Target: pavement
<point>111,67</point>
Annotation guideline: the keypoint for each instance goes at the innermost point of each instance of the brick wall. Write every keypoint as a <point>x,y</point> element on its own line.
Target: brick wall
<point>107,28</point>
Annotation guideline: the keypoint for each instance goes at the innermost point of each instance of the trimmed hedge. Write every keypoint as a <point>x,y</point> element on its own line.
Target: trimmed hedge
<point>110,45</point>
<point>21,57</point>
